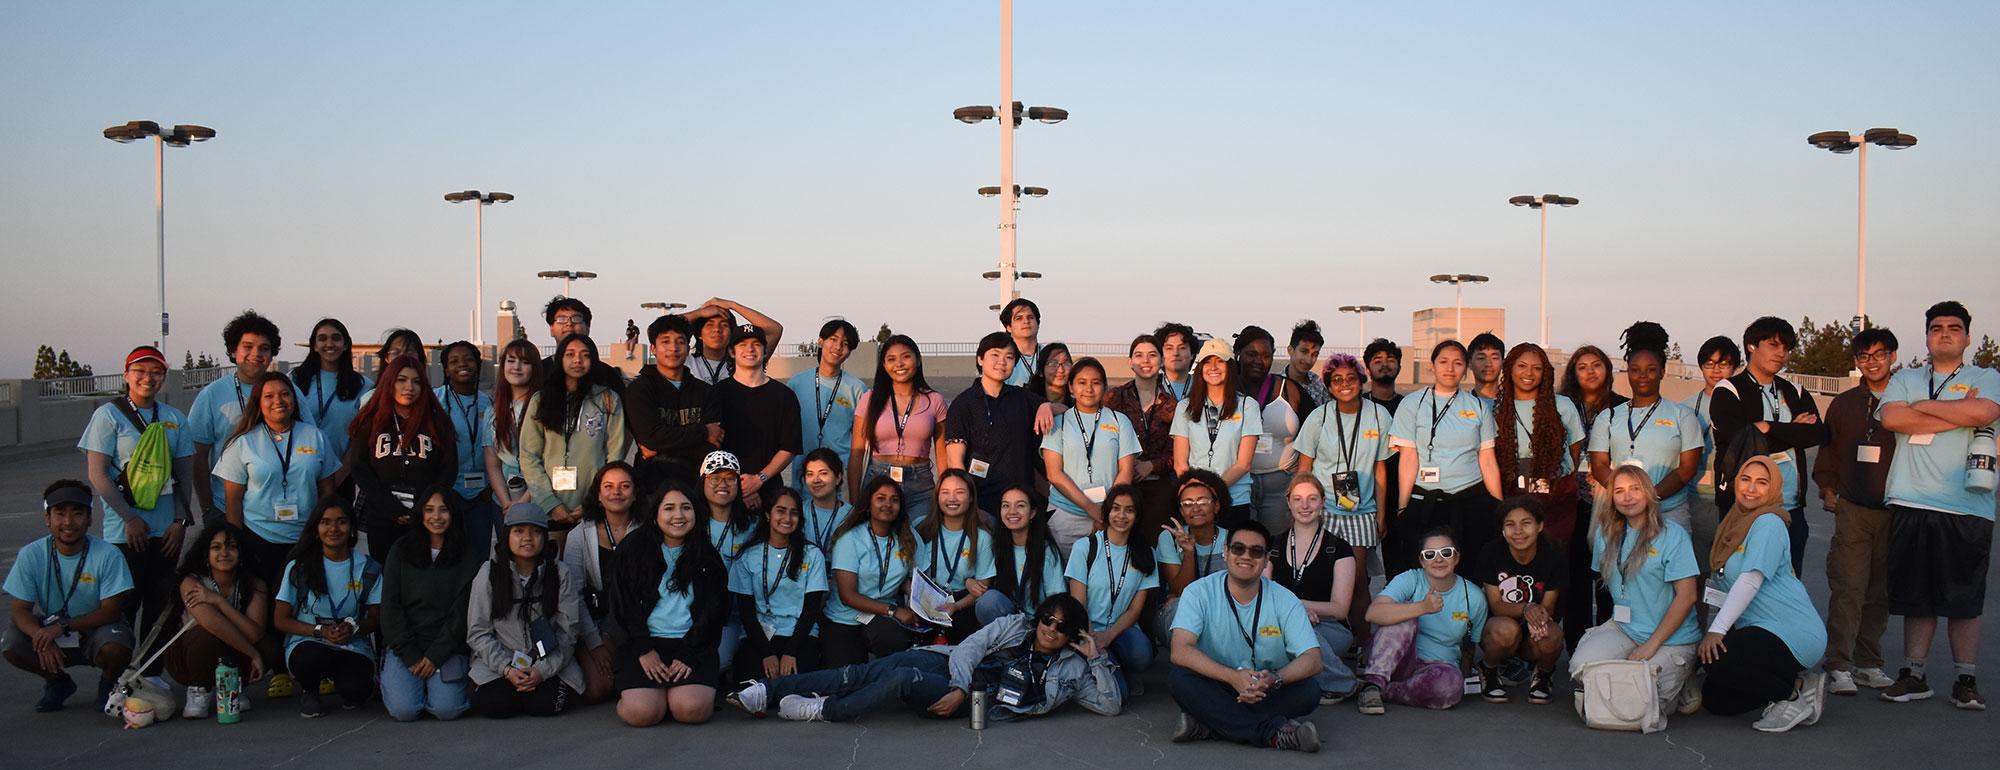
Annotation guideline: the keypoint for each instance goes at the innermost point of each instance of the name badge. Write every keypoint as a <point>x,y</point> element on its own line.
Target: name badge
<point>770,631</point>
<point>1868,454</point>
<point>1713,597</point>
<point>563,478</point>
<point>1781,458</point>
<point>472,481</point>
<point>1096,494</point>
<point>1428,475</point>
<point>521,660</point>
<point>1922,439</point>
<point>977,468</point>
<point>896,473</point>
<point>286,512</point>
<point>1264,444</point>
<point>70,641</point>
<point>1621,613</point>
<point>1533,486</point>
<point>167,488</point>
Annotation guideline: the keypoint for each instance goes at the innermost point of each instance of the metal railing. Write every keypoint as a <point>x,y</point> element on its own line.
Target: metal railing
<point>80,387</point>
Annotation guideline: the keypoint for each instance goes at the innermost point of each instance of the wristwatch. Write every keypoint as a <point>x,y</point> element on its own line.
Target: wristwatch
<point>316,631</point>
<point>1277,681</point>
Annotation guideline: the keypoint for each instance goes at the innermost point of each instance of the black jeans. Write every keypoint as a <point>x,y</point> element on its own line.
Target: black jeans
<point>353,674</point>
<point>155,586</point>
<point>499,700</point>
<point>1214,705</point>
<point>846,645</point>
<point>1757,670</point>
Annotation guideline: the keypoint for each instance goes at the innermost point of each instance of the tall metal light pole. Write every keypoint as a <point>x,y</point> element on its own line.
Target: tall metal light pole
<point>178,136</point>
<point>566,276</point>
<point>1542,203</point>
<point>1008,191</point>
<point>482,200</point>
<point>1842,142</point>
<point>663,307</point>
<point>1458,281</point>
<point>1361,314</point>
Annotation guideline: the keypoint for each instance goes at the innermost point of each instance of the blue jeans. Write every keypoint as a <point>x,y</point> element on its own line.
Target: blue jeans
<point>407,697</point>
<point>992,606</point>
<point>919,488</point>
<point>1214,705</point>
<point>915,678</point>
<point>1134,652</point>
<point>1334,639</point>
<point>732,635</point>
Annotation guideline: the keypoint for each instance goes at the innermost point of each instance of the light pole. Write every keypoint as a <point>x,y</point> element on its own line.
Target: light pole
<point>1458,282</point>
<point>566,276</point>
<point>663,307</point>
<point>482,200</point>
<point>994,275</point>
<point>1842,143</point>
<point>178,136</point>
<point>1008,191</point>
<point>1361,314</point>
<point>1542,204</point>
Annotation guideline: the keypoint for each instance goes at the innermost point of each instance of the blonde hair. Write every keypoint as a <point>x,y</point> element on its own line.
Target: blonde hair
<point>1607,522</point>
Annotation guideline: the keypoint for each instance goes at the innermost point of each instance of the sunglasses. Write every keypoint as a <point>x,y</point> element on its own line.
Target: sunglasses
<point>1052,619</point>
<point>1252,551</point>
<point>1431,554</point>
<point>1199,502</point>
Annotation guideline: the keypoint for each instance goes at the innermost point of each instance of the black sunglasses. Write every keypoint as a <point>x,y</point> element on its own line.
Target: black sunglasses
<point>1252,551</point>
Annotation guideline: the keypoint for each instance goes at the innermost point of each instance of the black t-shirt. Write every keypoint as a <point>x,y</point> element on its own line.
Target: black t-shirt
<point>999,431</point>
<point>1524,583</point>
<point>1387,403</point>
<point>758,422</point>
<point>1315,582</point>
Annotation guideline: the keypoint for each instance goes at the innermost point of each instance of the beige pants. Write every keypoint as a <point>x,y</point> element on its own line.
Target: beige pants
<point>1672,664</point>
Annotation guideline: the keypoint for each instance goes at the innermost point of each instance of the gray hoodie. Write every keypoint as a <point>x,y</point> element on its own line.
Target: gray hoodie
<point>494,642</point>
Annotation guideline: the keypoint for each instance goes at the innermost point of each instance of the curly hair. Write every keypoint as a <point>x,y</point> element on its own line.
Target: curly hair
<point>1545,438</point>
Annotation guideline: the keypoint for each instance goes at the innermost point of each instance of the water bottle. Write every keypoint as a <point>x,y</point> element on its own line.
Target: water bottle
<point>1979,462</point>
<point>517,488</point>
<point>979,709</point>
<point>228,688</point>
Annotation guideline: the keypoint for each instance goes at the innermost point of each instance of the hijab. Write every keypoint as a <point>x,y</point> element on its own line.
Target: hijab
<point>1735,527</point>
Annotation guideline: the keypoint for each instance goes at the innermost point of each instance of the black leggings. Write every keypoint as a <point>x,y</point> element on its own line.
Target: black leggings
<point>499,700</point>
<point>1577,613</point>
<point>1757,670</point>
<point>749,666</point>
<point>846,645</point>
<point>353,674</point>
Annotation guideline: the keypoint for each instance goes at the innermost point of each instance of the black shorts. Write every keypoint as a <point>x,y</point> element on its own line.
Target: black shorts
<point>1937,563</point>
<point>626,674</point>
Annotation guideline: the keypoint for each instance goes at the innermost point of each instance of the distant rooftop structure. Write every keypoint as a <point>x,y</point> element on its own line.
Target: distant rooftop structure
<point>1433,325</point>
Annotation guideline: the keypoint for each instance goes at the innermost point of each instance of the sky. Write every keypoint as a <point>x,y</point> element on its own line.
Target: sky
<point>1224,164</point>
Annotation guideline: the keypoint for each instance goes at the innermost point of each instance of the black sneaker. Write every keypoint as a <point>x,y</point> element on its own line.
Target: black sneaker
<point>1908,687</point>
<point>1297,736</point>
<point>1490,687</point>
<point>1190,730</point>
<point>1965,694</point>
<point>1539,692</point>
<point>55,692</point>
<point>309,706</point>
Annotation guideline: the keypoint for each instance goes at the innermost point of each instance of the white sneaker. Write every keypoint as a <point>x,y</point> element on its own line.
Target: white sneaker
<point>803,708</point>
<point>199,699</point>
<point>1784,715</point>
<point>1689,701</point>
<point>1840,683</point>
<point>242,703</point>
<point>751,698</point>
<point>1814,695</point>
<point>1873,678</point>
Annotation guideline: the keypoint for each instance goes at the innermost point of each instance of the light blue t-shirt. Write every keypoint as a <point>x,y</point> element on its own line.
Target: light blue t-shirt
<point>343,600</point>
<point>113,436</point>
<point>510,460</point>
<point>1781,605</point>
<point>214,414</point>
<point>780,595</point>
<point>1090,446</point>
<point>1366,434</point>
<point>1052,576</point>
<point>819,523</point>
<point>1524,429</point>
<point>1107,599</point>
<point>950,560</point>
<point>256,460</point>
<point>1023,369</point>
<point>1655,436</point>
<point>826,414</point>
<point>1218,453</point>
<point>326,409</point>
<point>1438,633</point>
<point>1933,476</point>
<point>673,615</point>
<point>880,567</point>
<point>730,542</point>
<point>78,594</point>
<point>1447,433</point>
<point>1208,559</point>
<point>471,426</point>
<point>1698,404</point>
<point>1650,592</point>
<point>1223,626</point>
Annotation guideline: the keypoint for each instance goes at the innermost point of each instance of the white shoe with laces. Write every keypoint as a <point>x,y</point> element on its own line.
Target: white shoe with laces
<point>199,700</point>
<point>1784,715</point>
<point>1840,683</point>
<point>1873,678</point>
<point>803,708</point>
<point>751,698</point>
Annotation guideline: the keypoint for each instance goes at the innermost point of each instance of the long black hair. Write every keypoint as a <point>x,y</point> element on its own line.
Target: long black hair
<point>797,543</point>
<point>415,548</point>
<point>544,586</point>
<point>1036,549</point>
<point>308,569</point>
<point>906,538</point>
<point>194,563</point>
<point>557,402</point>
<point>931,529</point>
<point>638,564</point>
<point>593,508</point>
<point>416,345</point>
<point>1141,554</point>
<point>1038,383</point>
<point>347,381</point>
<point>884,388</point>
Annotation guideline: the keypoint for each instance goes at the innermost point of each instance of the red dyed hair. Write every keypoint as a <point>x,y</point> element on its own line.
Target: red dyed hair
<point>379,414</point>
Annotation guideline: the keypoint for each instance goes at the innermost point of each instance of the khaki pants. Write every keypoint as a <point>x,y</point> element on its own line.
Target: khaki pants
<point>1857,578</point>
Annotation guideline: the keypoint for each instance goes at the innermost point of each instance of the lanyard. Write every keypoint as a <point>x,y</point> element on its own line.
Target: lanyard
<point>285,460</point>
<point>1116,577</point>
<point>1256,611</point>
<point>1090,446</point>
<point>610,537</point>
<point>348,587</point>
<point>149,420</point>
<point>1438,411</point>
<point>1181,392</point>
<point>471,424</point>
<point>1772,400</point>
<point>825,526</point>
<point>1291,551</point>
<point>957,553</point>
<point>1526,439</point>
<point>714,372</point>
<point>569,426</point>
<point>1206,563</point>
<point>1347,445</point>
<point>763,574</point>
<point>1874,401</point>
<point>1212,415</point>
<point>325,397</point>
<point>243,399</point>
<point>827,410</point>
<point>881,562</point>
<point>1938,389</point>
<point>902,420</point>
<point>75,578</point>
<point>1632,432</point>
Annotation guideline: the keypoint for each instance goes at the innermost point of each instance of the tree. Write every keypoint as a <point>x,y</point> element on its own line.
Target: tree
<point>883,334</point>
<point>1823,350</point>
<point>1988,353</point>
<point>197,363</point>
<point>49,365</point>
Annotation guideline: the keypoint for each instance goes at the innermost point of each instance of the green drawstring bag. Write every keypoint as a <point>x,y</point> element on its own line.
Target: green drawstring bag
<point>151,465</point>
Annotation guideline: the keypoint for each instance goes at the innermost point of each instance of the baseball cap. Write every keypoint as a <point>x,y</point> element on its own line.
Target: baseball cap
<point>145,353</point>
<point>719,461</point>
<point>526,512</point>
<point>1215,348</point>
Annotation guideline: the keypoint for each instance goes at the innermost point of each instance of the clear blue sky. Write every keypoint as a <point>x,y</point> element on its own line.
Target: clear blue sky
<point>1257,162</point>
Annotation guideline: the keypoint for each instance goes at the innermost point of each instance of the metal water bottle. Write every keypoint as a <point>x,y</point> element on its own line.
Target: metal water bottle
<point>1979,462</point>
<point>979,709</point>
<point>228,688</point>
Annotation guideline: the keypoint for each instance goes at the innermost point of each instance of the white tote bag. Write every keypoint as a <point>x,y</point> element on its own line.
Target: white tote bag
<point>1619,695</point>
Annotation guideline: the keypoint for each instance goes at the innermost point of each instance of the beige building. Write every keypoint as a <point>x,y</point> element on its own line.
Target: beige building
<point>1430,326</point>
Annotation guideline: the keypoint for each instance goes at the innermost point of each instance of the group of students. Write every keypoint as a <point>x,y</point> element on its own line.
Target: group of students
<point>586,538</point>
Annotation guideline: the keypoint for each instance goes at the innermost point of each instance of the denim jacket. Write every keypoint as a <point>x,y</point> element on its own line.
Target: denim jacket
<point>1093,683</point>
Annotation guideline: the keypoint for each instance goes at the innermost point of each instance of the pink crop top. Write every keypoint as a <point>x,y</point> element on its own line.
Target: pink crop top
<point>918,432</point>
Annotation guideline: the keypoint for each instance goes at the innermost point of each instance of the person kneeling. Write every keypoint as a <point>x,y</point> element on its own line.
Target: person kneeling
<point>669,601</point>
<point>1244,655</point>
<point>1025,665</point>
<point>1766,635</point>
<point>68,590</point>
<point>522,622</point>
<point>1423,616</point>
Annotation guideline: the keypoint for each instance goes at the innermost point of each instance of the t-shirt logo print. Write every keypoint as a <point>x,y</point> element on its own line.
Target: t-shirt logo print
<point>1517,589</point>
<point>1270,631</point>
<point>386,446</point>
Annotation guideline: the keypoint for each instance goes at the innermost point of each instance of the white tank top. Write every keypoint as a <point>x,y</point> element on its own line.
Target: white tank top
<point>1281,424</point>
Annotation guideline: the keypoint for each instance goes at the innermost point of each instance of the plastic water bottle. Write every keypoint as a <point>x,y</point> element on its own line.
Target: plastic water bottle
<point>1979,462</point>
<point>228,688</point>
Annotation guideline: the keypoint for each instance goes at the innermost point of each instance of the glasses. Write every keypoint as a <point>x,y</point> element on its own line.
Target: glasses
<point>1340,379</point>
<point>1199,502</point>
<point>1252,551</point>
<point>1879,356</point>
<point>569,319</point>
<point>1433,554</point>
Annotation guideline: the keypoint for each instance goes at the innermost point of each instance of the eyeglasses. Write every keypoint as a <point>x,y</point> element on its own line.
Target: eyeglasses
<point>1879,355</point>
<point>1252,551</point>
<point>569,319</point>
<point>1199,502</point>
<point>1346,380</point>
<point>1433,554</point>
